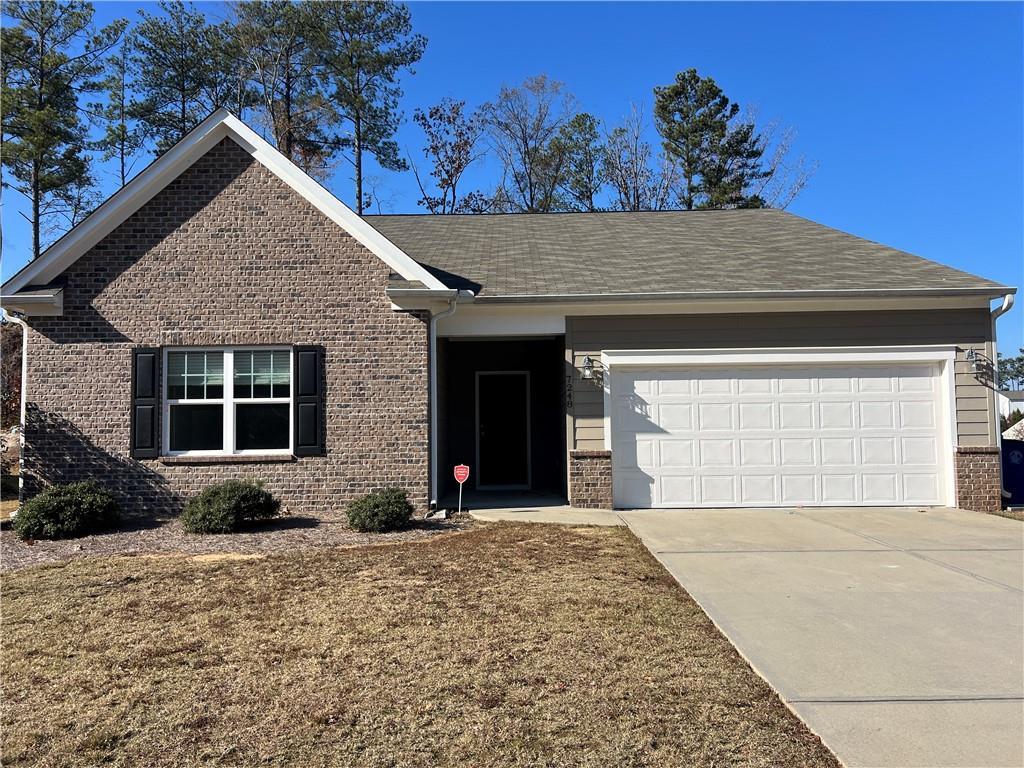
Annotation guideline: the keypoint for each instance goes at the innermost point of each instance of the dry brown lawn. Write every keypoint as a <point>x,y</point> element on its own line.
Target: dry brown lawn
<point>505,645</point>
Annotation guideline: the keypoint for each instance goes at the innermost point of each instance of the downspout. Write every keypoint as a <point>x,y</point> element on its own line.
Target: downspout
<point>11,316</point>
<point>998,312</point>
<point>434,436</point>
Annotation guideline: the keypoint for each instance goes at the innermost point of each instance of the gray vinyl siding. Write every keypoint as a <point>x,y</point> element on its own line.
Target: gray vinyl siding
<point>966,328</point>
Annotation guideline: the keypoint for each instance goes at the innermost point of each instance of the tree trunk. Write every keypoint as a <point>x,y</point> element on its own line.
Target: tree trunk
<point>35,208</point>
<point>288,140</point>
<point>358,157</point>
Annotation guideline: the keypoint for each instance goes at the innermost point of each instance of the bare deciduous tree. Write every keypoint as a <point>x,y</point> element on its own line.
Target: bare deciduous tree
<point>523,124</point>
<point>451,147</point>
<point>641,181</point>
<point>785,176</point>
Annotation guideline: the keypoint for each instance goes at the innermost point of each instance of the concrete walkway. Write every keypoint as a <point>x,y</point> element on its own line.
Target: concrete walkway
<point>896,634</point>
<point>562,514</point>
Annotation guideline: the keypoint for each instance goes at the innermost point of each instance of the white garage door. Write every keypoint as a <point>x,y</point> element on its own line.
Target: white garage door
<point>777,436</point>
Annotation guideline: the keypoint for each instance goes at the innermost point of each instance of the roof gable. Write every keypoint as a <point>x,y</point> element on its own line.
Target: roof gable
<point>165,169</point>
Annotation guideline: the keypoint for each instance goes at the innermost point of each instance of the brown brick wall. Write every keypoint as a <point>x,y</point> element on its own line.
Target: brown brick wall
<point>590,479</point>
<point>978,480</point>
<point>229,254</point>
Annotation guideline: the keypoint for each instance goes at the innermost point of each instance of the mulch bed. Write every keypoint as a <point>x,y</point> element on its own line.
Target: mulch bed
<point>282,535</point>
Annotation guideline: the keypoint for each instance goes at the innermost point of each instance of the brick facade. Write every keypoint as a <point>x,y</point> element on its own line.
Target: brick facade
<point>229,254</point>
<point>978,479</point>
<point>590,479</point>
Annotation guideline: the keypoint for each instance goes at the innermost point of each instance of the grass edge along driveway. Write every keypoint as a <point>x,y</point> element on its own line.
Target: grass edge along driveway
<point>506,645</point>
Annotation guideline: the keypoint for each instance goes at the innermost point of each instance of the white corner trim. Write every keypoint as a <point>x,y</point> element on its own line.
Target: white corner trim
<point>140,190</point>
<point>943,355</point>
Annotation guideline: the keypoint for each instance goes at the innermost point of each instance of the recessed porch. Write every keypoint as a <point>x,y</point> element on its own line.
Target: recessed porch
<point>501,410</point>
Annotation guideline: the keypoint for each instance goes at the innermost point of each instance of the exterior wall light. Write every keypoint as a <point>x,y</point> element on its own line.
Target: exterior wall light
<point>588,368</point>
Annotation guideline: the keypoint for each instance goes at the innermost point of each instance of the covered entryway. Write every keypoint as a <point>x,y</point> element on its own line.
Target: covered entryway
<point>501,411</point>
<point>780,434</point>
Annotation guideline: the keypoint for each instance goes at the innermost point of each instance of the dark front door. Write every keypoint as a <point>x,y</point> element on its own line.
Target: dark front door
<point>503,429</point>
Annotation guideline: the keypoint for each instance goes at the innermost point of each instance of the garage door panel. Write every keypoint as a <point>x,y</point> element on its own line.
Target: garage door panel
<point>756,416</point>
<point>921,488</point>
<point>797,451</point>
<point>836,415</point>
<point>718,490</point>
<point>919,450</point>
<point>757,452</point>
<point>796,416</point>
<point>717,453</point>
<point>782,435</point>
<point>758,490</point>
<point>675,416</point>
<point>838,452</point>
<point>799,489</point>
<point>678,490</point>
<point>714,384</point>
<point>879,488</point>
<point>917,415</point>
<point>676,454</point>
<point>876,415</point>
<point>839,489</point>
<point>878,450</point>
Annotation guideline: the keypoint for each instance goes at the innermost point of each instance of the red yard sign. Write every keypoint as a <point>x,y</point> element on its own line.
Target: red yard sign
<point>461,473</point>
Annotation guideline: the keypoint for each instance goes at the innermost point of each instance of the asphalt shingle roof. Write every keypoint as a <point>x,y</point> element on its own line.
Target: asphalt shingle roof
<point>657,252</point>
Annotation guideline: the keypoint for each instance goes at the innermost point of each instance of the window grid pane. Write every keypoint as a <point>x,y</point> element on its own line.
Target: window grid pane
<point>262,374</point>
<point>195,375</point>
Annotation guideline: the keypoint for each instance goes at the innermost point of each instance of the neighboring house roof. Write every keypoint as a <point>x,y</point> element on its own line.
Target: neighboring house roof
<point>584,255</point>
<point>162,171</point>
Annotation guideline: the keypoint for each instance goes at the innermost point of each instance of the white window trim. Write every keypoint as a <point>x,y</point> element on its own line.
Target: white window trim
<point>228,402</point>
<point>942,355</point>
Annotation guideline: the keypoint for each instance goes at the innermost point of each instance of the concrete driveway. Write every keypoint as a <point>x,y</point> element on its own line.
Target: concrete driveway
<point>896,634</point>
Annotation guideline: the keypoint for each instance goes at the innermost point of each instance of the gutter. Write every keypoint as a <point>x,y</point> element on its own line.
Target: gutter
<point>432,362</point>
<point>525,298</point>
<point>1002,309</point>
<point>11,316</point>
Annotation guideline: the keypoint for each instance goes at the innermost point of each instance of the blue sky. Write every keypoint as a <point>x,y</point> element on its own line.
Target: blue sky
<point>915,112</point>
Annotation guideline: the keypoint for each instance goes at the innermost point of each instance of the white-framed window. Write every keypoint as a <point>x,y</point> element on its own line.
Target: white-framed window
<point>227,400</point>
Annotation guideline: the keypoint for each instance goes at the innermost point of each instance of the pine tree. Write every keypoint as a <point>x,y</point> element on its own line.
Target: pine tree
<point>51,54</point>
<point>123,138</point>
<point>182,71</point>
<point>719,156</point>
<point>366,46</point>
<point>582,178</point>
<point>278,43</point>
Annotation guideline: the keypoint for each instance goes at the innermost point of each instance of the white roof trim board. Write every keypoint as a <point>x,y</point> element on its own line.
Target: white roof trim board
<point>165,169</point>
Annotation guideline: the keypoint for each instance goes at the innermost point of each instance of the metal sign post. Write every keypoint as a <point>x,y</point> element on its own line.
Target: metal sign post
<point>461,475</point>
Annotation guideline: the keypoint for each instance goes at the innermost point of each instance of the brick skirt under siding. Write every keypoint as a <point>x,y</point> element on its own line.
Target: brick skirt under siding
<point>978,479</point>
<point>590,479</point>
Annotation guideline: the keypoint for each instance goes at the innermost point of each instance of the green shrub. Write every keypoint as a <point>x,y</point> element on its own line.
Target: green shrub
<point>67,511</point>
<point>386,510</point>
<point>223,508</point>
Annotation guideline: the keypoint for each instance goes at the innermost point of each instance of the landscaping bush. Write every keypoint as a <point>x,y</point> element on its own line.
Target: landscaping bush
<point>67,511</point>
<point>223,508</point>
<point>387,510</point>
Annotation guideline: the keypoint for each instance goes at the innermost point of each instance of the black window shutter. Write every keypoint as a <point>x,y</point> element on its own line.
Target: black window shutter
<point>145,402</point>
<point>309,401</point>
